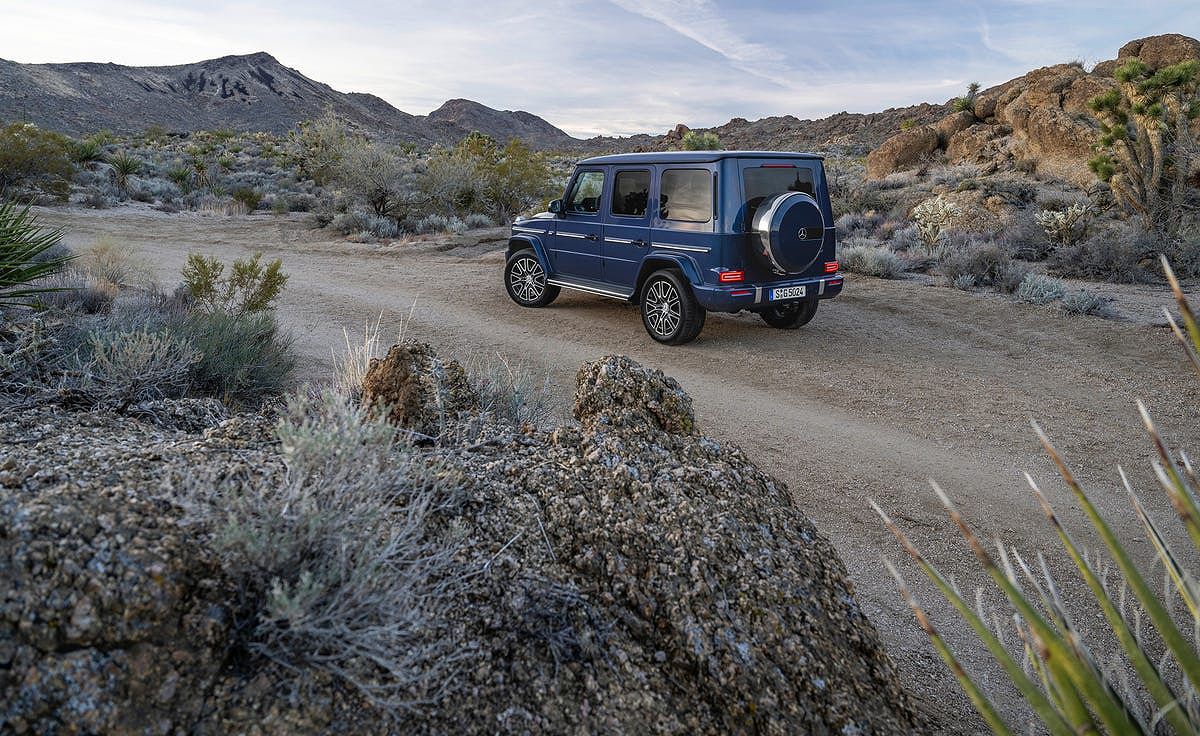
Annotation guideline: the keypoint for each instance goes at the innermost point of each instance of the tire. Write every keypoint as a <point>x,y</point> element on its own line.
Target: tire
<point>670,312</point>
<point>790,315</point>
<point>525,280</point>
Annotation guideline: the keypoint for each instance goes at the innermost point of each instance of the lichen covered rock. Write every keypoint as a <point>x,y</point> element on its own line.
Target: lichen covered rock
<point>417,390</point>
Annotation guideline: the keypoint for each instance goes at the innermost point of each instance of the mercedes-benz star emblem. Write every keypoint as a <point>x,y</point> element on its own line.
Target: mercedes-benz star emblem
<point>803,234</point>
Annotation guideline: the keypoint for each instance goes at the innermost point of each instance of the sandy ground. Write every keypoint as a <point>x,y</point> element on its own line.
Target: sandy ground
<point>893,383</point>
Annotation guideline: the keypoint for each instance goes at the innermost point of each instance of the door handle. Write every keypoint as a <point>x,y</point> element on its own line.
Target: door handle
<point>640,243</point>
<point>592,236</point>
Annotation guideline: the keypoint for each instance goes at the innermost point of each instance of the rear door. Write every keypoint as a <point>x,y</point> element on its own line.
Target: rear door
<point>627,226</point>
<point>576,249</point>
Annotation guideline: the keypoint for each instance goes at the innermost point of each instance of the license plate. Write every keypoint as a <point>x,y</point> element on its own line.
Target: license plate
<point>787,292</point>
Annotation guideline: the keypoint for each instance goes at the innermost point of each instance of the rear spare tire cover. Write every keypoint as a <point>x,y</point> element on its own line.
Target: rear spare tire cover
<point>788,230</point>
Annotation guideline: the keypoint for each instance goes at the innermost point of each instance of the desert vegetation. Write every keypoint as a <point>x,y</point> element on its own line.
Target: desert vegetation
<point>1069,684</point>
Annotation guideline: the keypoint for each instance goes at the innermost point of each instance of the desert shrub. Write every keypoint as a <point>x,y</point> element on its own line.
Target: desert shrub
<point>963,282</point>
<point>1135,667</point>
<point>933,217</point>
<point>433,223</point>
<point>860,256</point>
<point>986,262</point>
<point>25,255</point>
<point>182,177</point>
<point>858,223</point>
<point>377,175</point>
<point>244,359</point>
<point>337,559</point>
<point>478,175</point>
<point>906,238</point>
<point>1183,251</point>
<point>694,140</point>
<point>512,393</point>
<point>954,176</point>
<point>249,288</point>
<point>477,220</point>
<point>86,151</point>
<point>33,159</point>
<point>319,147</point>
<point>72,291</point>
<point>353,223</point>
<point>1025,237</point>
<point>118,369</point>
<point>1082,301</point>
<point>1067,226</point>
<point>967,101</point>
<point>1038,289</point>
<point>1114,254</point>
<point>247,197</point>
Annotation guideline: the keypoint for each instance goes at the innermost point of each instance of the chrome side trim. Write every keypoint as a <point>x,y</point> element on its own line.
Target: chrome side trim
<point>533,230</point>
<point>622,241</point>
<point>588,289</point>
<point>572,235</point>
<point>674,246</point>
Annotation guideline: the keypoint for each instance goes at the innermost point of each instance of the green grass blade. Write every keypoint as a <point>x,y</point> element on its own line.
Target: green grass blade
<point>1149,674</point>
<point>1185,309</point>
<point>981,702</point>
<point>1037,700</point>
<point>1172,637</point>
<point>1184,584</point>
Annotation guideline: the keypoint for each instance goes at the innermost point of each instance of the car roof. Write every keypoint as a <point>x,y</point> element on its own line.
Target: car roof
<point>691,157</point>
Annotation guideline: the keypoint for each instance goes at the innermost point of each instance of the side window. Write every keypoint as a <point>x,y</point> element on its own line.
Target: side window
<point>686,195</point>
<point>631,190</point>
<point>585,196</point>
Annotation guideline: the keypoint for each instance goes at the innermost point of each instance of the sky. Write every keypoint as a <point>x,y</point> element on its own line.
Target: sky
<point>612,67</point>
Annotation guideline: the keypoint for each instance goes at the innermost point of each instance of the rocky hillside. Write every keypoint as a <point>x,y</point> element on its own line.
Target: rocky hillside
<point>251,93</point>
<point>844,132</point>
<point>1038,122</point>
<point>625,575</point>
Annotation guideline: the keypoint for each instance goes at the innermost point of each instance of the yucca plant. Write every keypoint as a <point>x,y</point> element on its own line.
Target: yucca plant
<point>124,166</point>
<point>1154,689</point>
<point>25,255</point>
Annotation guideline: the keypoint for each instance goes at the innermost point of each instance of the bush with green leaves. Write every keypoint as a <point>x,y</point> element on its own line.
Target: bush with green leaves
<point>27,255</point>
<point>967,101</point>
<point>1038,289</point>
<point>984,262</point>
<point>1119,254</point>
<point>1141,673</point>
<point>694,140</point>
<point>250,287</point>
<point>247,197</point>
<point>118,369</point>
<point>33,160</point>
<point>319,146</point>
<point>244,358</point>
<point>124,166</point>
<point>1148,140</point>
<point>339,561</point>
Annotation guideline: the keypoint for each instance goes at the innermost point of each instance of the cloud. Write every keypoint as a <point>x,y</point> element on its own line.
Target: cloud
<point>701,21</point>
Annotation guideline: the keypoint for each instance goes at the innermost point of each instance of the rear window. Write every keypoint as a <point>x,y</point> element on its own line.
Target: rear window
<point>763,182</point>
<point>686,195</point>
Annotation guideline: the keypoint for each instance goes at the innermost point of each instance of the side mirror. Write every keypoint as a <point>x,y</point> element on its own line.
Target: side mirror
<point>556,206</point>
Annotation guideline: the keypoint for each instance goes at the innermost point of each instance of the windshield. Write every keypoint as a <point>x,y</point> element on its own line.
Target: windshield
<point>760,183</point>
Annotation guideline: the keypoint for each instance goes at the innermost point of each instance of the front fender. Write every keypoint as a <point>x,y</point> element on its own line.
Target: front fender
<point>525,242</point>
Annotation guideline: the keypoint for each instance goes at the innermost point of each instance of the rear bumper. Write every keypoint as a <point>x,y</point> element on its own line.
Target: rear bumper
<point>738,297</point>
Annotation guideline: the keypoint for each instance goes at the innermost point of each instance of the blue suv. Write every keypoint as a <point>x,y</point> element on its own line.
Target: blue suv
<point>683,233</point>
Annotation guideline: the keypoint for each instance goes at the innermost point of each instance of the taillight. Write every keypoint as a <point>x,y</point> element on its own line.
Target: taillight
<point>741,292</point>
<point>731,277</point>
<point>831,266</point>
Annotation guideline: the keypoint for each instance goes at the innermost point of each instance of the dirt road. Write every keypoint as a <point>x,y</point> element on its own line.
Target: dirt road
<point>891,384</point>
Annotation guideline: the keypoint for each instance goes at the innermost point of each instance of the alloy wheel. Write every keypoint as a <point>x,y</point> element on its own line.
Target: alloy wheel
<point>527,279</point>
<point>662,307</point>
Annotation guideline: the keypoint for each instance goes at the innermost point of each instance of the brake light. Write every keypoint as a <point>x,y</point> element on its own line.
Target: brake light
<point>833,282</point>
<point>741,292</point>
<point>777,166</point>
<point>731,277</point>
<point>831,266</point>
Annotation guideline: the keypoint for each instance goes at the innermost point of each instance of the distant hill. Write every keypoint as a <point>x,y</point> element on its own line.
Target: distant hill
<point>253,92</point>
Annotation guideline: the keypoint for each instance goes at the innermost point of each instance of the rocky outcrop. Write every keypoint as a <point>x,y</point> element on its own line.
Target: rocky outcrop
<point>417,390</point>
<point>1040,120</point>
<point>902,150</point>
<point>627,575</point>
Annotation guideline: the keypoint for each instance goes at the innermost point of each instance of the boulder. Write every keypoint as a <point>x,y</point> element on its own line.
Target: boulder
<point>618,393</point>
<point>1160,51</point>
<point>678,132</point>
<point>416,390</point>
<point>951,124</point>
<point>904,149</point>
